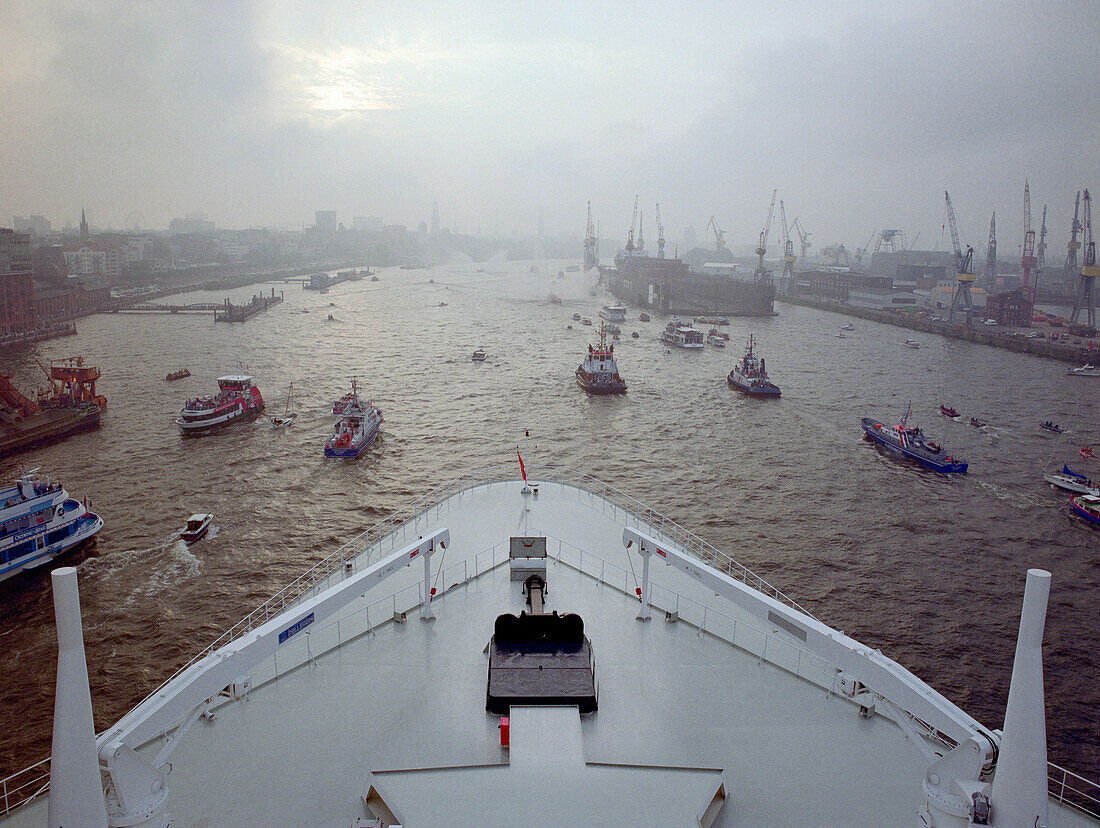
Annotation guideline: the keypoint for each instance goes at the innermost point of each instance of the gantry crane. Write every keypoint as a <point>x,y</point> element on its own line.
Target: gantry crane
<point>862,251</point>
<point>762,273</point>
<point>633,224</point>
<point>591,244</point>
<point>1086,298</point>
<point>719,233</point>
<point>788,252</point>
<point>990,272</point>
<point>1028,261</point>
<point>964,272</point>
<point>803,237</point>
<point>1074,245</point>
<point>889,241</point>
<point>660,235</point>
<point>1040,254</point>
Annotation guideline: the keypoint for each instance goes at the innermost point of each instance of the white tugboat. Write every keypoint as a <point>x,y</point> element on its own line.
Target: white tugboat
<point>750,375</point>
<point>357,425</point>
<point>722,701</point>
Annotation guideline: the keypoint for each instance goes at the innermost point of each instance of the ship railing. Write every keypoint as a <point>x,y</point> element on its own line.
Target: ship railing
<point>393,530</point>
<point>25,785</point>
<point>1064,786</point>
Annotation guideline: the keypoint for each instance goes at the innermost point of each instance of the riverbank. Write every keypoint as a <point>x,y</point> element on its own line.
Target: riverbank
<point>1064,352</point>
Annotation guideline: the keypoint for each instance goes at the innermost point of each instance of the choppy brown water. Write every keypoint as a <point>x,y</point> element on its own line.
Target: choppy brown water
<point>927,568</point>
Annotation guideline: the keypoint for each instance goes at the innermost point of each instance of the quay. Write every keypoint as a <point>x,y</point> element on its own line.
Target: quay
<point>38,334</point>
<point>241,313</point>
<point>1014,341</point>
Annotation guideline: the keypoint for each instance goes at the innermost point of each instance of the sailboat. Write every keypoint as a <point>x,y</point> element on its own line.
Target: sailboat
<point>287,417</point>
<point>1067,479</point>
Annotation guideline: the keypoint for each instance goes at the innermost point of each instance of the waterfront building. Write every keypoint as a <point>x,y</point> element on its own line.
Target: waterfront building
<point>1010,307</point>
<point>325,221</point>
<point>35,225</point>
<point>99,259</point>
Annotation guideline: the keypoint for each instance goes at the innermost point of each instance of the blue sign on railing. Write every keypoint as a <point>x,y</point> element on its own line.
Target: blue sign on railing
<point>295,628</point>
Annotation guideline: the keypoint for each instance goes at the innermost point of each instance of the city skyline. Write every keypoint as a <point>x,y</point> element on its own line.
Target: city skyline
<point>259,115</point>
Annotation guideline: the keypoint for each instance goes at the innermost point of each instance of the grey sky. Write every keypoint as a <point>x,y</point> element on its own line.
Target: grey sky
<point>258,114</point>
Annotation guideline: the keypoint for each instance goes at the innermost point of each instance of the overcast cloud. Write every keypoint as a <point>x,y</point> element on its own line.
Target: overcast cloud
<point>258,114</point>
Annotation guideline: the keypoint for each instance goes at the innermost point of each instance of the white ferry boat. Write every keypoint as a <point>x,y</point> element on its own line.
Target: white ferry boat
<point>613,313</point>
<point>238,398</point>
<point>356,426</point>
<point>395,683</point>
<point>38,522</point>
<point>682,335</point>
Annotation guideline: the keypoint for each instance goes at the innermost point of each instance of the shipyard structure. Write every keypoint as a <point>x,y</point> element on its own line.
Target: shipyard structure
<point>671,286</point>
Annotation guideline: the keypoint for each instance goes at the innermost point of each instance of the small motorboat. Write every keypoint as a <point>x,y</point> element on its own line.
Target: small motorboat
<point>948,412</point>
<point>643,317</point>
<point>1051,426</point>
<point>554,299</point>
<point>1086,370</point>
<point>374,278</point>
<point>332,304</point>
<point>719,334</point>
<point>586,321</point>
<point>912,343</point>
<point>634,335</point>
<point>576,317</point>
<point>197,526</point>
<point>974,421</point>
<point>479,355</point>
<point>331,318</point>
<point>442,304</point>
<point>848,326</point>
<point>1087,453</point>
<point>180,374</point>
<point>841,336</point>
<point>716,341</point>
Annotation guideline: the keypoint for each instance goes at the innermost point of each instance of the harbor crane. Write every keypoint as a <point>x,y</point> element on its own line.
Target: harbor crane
<point>1028,261</point>
<point>788,252</point>
<point>660,234</point>
<point>641,224</point>
<point>762,273</point>
<point>719,233</point>
<point>964,271</point>
<point>862,251</point>
<point>803,236</point>
<point>633,224</point>
<point>991,252</point>
<point>890,241</point>
<point>591,244</point>
<point>1086,297</point>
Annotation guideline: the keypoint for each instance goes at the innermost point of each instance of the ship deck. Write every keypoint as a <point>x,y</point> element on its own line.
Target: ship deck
<point>399,705</point>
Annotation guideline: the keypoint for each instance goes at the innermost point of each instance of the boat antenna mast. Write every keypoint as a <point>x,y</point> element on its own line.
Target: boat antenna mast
<point>964,274</point>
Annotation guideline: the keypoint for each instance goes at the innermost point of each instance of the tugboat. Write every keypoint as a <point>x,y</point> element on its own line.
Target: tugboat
<point>682,335</point>
<point>750,375</point>
<point>40,522</point>
<point>909,442</point>
<point>356,428</point>
<point>237,399</point>
<point>599,374</point>
<point>1087,506</point>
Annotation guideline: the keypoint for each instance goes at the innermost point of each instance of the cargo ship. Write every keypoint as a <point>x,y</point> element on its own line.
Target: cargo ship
<point>70,404</point>
<point>670,286</point>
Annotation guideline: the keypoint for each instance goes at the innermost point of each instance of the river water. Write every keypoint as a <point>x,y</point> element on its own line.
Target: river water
<point>930,569</point>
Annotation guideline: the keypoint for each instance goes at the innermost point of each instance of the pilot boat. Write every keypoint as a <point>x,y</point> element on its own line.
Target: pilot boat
<point>238,398</point>
<point>910,442</point>
<point>599,373</point>
<point>545,686</point>
<point>356,426</point>
<point>38,522</point>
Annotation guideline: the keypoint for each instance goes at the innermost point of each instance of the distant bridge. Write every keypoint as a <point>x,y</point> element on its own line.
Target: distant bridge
<point>156,307</point>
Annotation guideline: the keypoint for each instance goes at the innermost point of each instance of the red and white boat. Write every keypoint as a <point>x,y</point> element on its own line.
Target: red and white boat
<point>237,399</point>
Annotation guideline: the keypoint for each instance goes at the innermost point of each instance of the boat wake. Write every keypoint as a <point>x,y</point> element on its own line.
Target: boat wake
<point>153,569</point>
<point>1016,499</point>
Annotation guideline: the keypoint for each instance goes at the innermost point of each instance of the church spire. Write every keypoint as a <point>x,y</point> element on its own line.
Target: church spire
<point>83,226</point>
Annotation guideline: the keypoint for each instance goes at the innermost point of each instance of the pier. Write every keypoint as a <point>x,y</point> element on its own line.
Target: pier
<point>241,313</point>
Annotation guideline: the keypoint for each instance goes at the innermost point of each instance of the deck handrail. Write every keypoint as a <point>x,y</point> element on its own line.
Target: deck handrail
<point>1065,786</point>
